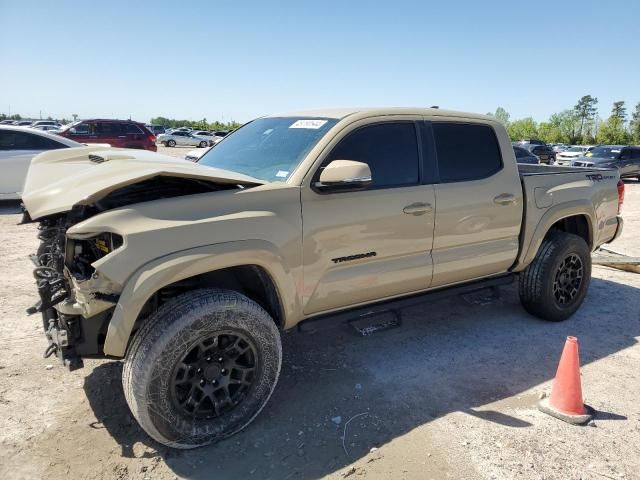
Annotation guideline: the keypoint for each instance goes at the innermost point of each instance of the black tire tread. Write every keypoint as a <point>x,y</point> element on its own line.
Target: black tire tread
<point>161,322</point>
<point>532,281</point>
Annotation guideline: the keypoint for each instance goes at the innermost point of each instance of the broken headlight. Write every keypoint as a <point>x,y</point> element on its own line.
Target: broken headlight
<point>83,250</point>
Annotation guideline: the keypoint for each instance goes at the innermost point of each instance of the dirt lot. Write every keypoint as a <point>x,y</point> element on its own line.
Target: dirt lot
<point>452,393</point>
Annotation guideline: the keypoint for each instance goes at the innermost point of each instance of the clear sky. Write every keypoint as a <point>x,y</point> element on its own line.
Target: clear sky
<point>242,59</point>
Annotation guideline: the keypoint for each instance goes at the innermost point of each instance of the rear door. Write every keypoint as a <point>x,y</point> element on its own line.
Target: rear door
<point>375,243</point>
<point>109,132</point>
<point>181,138</point>
<point>479,202</point>
<point>134,136</point>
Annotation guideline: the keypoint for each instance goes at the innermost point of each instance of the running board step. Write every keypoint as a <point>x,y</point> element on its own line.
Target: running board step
<point>369,323</point>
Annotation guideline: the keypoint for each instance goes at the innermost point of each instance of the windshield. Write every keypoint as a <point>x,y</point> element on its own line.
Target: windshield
<point>269,149</point>
<point>576,149</point>
<point>605,152</point>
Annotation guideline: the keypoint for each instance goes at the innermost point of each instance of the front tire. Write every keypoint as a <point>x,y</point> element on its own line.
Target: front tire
<point>202,367</point>
<point>203,144</point>
<point>171,143</point>
<point>554,285</point>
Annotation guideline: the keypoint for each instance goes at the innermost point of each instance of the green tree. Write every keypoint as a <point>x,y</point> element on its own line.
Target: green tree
<point>635,125</point>
<point>501,115</point>
<point>613,130</point>
<point>523,129</point>
<point>586,110</point>
<point>619,110</point>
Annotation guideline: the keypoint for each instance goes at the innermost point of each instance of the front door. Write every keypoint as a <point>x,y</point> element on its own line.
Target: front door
<point>376,243</point>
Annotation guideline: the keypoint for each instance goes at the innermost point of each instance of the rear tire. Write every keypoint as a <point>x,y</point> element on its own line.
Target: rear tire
<point>184,399</point>
<point>203,144</point>
<point>555,284</point>
<point>171,143</point>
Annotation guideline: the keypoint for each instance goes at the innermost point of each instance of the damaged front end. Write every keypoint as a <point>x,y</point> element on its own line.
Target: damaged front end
<point>75,302</point>
<point>66,187</point>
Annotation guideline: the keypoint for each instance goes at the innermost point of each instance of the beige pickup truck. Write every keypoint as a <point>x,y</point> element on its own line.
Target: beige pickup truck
<point>190,271</point>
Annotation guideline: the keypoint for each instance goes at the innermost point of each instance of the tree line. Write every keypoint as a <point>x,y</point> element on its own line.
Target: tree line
<point>200,124</point>
<point>165,122</point>
<point>578,125</point>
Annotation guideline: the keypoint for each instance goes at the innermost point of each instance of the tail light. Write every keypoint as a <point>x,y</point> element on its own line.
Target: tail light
<point>620,195</point>
<point>151,137</point>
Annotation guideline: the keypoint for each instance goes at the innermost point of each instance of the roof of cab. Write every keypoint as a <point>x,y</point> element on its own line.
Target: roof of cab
<point>339,113</point>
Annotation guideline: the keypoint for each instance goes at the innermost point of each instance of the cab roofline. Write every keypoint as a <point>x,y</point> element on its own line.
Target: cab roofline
<point>340,113</point>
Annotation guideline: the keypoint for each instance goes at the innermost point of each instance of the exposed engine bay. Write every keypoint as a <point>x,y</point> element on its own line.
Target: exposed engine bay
<point>75,313</point>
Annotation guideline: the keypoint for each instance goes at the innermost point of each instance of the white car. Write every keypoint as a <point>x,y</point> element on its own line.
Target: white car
<point>41,123</point>
<point>18,145</point>
<point>211,137</point>
<point>47,128</point>
<point>194,155</point>
<point>182,138</point>
<point>566,157</point>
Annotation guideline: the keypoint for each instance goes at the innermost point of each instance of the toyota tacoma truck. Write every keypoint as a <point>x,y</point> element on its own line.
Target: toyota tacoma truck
<point>191,271</point>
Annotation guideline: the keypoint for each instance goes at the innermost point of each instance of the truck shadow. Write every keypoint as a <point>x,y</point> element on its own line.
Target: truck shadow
<point>449,355</point>
<point>10,207</point>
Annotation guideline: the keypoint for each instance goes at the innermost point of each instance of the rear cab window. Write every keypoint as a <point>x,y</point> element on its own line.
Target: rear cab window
<point>466,151</point>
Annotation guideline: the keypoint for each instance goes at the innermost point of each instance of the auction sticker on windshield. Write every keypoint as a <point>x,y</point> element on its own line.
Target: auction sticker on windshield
<point>312,124</point>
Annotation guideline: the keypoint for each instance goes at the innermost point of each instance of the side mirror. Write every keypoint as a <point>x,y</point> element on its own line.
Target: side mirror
<point>344,175</point>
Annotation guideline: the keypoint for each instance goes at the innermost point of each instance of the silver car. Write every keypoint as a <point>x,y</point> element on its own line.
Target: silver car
<point>182,138</point>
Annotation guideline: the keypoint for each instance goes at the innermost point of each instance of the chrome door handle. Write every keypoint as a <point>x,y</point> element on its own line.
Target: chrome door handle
<point>505,199</point>
<point>417,208</point>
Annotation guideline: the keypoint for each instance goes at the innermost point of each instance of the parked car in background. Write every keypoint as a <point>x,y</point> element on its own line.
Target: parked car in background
<point>625,158</point>
<point>156,129</point>
<point>7,122</point>
<point>559,147</point>
<point>183,139</point>
<point>543,152</point>
<point>211,137</point>
<point>117,133</point>
<point>566,157</point>
<point>48,128</point>
<point>531,141</point>
<point>194,155</point>
<point>22,123</point>
<point>525,156</point>
<point>18,145</point>
<point>39,123</point>
<point>205,135</point>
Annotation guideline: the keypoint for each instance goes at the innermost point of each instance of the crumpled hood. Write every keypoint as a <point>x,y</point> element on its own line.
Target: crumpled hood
<point>60,179</point>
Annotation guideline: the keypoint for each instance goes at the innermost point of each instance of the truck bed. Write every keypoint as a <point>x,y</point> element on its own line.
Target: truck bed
<point>570,191</point>
<point>527,170</point>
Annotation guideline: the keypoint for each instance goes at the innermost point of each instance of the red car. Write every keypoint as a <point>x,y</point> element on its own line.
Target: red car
<point>117,133</point>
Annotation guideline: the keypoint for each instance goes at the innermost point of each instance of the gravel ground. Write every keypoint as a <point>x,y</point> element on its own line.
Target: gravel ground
<point>452,393</point>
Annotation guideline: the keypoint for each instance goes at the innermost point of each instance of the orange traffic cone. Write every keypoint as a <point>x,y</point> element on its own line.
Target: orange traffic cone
<point>565,402</point>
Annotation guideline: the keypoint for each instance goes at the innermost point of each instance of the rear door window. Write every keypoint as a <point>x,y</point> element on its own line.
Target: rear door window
<point>108,129</point>
<point>131,128</point>
<point>390,150</point>
<point>466,151</point>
